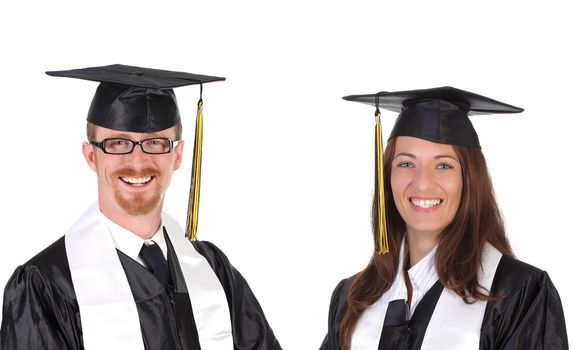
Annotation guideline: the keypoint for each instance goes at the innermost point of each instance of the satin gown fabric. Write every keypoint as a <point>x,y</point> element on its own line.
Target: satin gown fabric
<point>40,310</point>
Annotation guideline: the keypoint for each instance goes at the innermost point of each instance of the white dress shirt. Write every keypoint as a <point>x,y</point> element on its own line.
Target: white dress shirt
<point>423,275</point>
<point>130,244</point>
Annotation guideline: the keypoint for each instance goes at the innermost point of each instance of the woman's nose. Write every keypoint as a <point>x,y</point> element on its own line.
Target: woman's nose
<point>424,178</point>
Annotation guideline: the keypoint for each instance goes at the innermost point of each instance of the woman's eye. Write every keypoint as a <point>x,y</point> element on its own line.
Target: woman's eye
<point>404,165</point>
<point>444,166</point>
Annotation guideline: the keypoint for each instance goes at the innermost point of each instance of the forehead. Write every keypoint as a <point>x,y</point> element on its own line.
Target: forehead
<point>419,147</point>
<point>102,133</point>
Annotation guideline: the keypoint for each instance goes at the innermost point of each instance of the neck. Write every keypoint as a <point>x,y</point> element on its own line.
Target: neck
<point>144,226</point>
<point>420,244</point>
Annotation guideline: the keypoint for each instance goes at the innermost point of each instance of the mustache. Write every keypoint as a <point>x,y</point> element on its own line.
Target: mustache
<point>131,172</point>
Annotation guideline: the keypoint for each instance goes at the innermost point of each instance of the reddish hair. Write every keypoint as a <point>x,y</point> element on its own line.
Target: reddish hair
<point>91,131</point>
<point>458,256</point>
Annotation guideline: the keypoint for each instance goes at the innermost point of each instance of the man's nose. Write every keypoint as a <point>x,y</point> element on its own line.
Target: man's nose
<point>137,154</point>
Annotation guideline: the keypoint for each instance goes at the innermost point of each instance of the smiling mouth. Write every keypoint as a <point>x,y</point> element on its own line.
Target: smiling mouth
<point>136,181</point>
<point>425,203</point>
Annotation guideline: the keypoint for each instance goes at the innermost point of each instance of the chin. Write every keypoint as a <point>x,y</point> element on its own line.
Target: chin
<point>432,230</point>
<point>138,206</point>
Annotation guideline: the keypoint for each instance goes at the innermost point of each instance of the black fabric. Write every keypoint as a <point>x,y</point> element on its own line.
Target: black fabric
<point>437,115</point>
<point>398,333</point>
<point>250,327</point>
<point>531,314</point>
<point>154,259</point>
<point>134,109</point>
<point>396,313</point>
<point>134,99</point>
<point>337,309</point>
<point>40,310</point>
<point>136,76</point>
<point>436,121</point>
<point>156,309</point>
<point>529,317</point>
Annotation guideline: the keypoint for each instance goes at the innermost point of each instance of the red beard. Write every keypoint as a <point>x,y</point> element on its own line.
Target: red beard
<point>138,203</point>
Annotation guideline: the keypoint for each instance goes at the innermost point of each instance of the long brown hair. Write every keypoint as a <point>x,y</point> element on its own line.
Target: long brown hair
<point>458,257</point>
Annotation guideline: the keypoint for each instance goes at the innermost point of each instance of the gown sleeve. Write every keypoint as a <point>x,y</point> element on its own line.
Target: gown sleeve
<point>35,315</point>
<point>530,316</point>
<point>250,328</point>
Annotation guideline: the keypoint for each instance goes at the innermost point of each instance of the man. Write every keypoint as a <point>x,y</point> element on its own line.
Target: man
<point>125,276</point>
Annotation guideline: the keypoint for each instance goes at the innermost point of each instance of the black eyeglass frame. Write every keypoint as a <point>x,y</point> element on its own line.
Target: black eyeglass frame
<point>101,144</point>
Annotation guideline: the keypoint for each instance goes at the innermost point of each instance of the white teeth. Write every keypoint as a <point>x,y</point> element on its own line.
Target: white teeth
<point>136,180</point>
<point>426,203</point>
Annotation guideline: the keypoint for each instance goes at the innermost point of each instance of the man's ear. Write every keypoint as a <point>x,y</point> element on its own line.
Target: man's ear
<point>89,154</point>
<point>179,152</point>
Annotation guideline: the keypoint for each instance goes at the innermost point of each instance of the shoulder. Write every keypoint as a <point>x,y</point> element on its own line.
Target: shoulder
<point>339,298</point>
<point>527,310</point>
<point>47,273</point>
<point>512,275</point>
<point>520,288</point>
<point>52,256</point>
<point>206,247</point>
<point>343,287</point>
<point>218,261</point>
<point>211,252</point>
<point>337,308</point>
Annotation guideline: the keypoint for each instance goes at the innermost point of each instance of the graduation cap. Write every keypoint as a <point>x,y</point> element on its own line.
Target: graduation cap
<point>438,115</point>
<point>137,99</point>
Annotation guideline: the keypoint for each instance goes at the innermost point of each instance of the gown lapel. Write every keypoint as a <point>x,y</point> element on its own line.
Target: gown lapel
<point>397,332</point>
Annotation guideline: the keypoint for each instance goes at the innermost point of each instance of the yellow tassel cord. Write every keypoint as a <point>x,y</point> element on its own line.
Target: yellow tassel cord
<point>194,201</point>
<point>382,241</point>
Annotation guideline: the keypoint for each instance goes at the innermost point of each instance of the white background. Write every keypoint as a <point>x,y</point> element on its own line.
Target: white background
<point>288,165</point>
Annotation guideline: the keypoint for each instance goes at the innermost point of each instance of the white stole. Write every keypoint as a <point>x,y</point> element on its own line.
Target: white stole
<point>453,325</point>
<point>109,317</point>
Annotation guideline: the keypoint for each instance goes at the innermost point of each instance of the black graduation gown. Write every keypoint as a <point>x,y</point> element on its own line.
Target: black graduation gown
<point>40,309</point>
<point>530,317</point>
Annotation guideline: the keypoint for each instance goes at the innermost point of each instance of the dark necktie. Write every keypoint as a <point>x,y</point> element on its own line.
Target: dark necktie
<point>154,259</point>
<point>396,313</point>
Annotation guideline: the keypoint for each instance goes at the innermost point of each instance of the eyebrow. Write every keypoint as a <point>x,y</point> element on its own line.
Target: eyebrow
<point>410,155</point>
<point>405,154</point>
<point>127,136</point>
<point>446,156</point>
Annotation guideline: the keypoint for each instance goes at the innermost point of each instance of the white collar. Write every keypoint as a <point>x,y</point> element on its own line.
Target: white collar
<point>129,243</point>
<point>423,275</point>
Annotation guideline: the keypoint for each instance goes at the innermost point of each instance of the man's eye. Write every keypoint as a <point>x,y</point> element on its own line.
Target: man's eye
<point>119,142</point>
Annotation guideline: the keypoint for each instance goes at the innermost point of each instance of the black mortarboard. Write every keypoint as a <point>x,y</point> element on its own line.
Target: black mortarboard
<point>137,99</point>
<point>438,114</point>
<point>134,99</point>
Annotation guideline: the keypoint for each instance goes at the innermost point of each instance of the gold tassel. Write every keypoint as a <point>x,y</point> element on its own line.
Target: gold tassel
<point>382,240</point>
<point>194,201</point>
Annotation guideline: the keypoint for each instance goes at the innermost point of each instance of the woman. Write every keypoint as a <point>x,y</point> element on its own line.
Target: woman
<point>450,280</point>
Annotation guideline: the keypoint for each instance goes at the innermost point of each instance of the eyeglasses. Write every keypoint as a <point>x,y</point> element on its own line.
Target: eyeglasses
<point>157,145</point>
